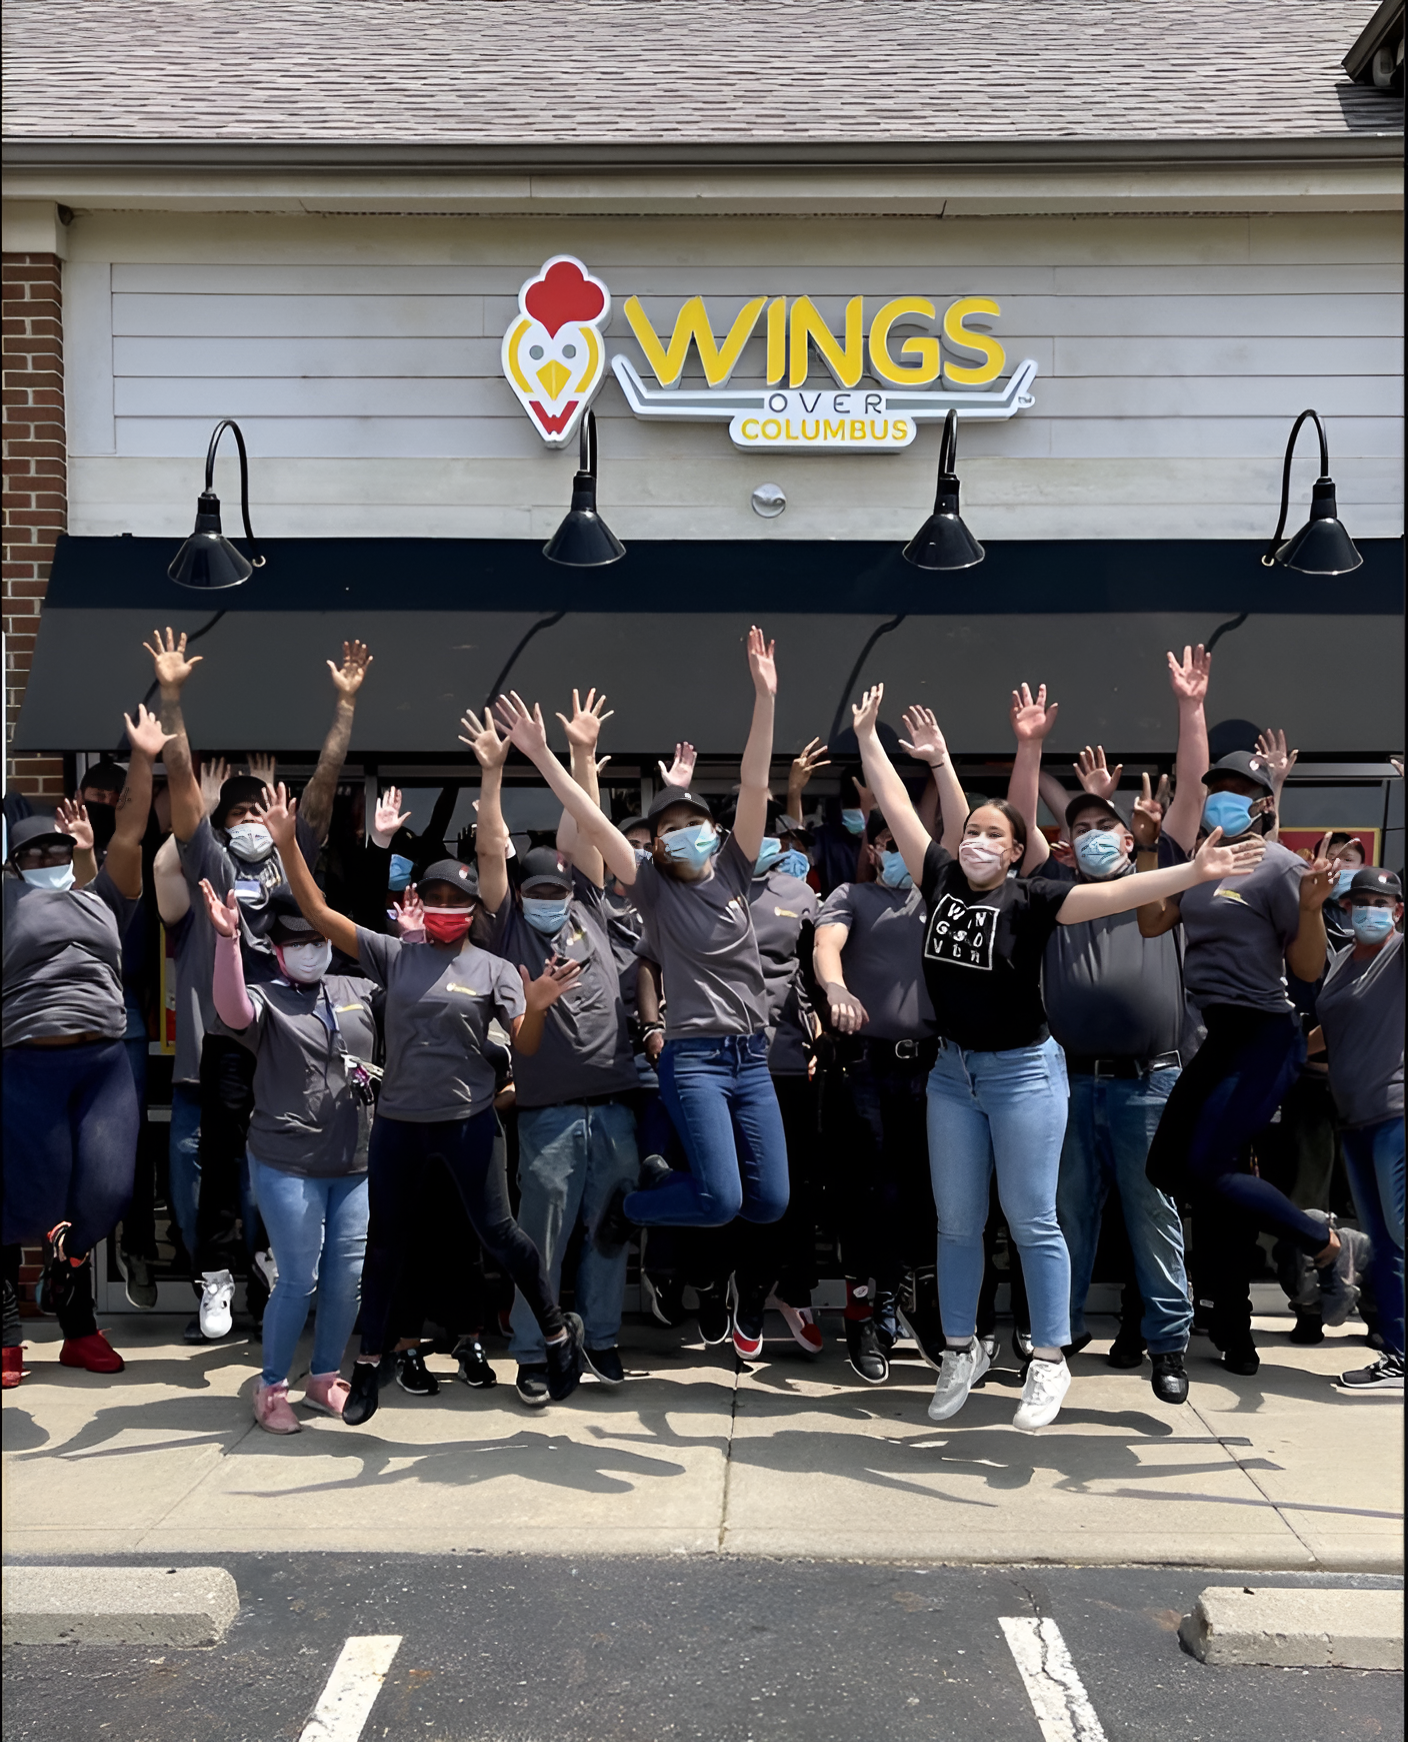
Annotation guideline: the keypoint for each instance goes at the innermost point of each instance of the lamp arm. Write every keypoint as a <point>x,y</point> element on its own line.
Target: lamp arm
<point>948,449</point>
<point>257,558</point>
<point>586,455</point>
<point>1269,557</point>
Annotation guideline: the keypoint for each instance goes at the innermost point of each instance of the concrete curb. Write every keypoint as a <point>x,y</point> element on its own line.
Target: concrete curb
<point>118,1605</point>
<point>1296,1628</point>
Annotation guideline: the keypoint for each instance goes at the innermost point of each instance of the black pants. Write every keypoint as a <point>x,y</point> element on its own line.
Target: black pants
<point>885,1201</point>
<point>445,1282</point>
<point>782,1254</point>
<point>398,1162</point>
<point>226,1102</point>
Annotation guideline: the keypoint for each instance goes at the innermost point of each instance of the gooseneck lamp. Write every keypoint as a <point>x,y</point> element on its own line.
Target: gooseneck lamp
<point>944,542</point>
<point>584,540</point>
<point>1322,546</point>
<point>207,561</point>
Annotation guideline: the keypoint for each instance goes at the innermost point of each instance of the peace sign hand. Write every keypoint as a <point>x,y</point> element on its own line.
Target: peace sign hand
<point>1317,884</point>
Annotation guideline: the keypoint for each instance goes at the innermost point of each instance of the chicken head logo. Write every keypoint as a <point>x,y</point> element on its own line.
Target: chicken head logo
<point>553,355</point>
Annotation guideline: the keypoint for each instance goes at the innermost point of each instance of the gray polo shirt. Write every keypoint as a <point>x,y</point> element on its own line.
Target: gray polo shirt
<point>782,905</point>
<point>63,960</point>
<point>1110,993</point>
<point>254,882</point>
<point>1360,1006</point>
<point>702,936</point>
<point>306,1119</point>
<point>882,957</point>
<point>439,1004</point>
<point>1236,932</point>
<point>586,1047</point>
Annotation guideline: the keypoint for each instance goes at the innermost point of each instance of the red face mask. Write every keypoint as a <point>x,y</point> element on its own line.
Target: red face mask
<point>447,925</point>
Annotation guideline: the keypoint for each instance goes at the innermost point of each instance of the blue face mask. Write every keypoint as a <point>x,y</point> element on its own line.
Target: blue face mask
<point>547,917</point>
<point>768,855</point>
<point>400,873</point>
<point>1371,924</point>
<point>1099,853</point>
<point>853,821</point>
<point>795,864</point>
<point>893,873</point>
<point>1228,811</point>
<point>1342,883</point>
<point>694,847</point>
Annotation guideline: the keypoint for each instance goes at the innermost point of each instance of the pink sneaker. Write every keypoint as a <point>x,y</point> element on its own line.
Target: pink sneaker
<point>272,1411</point>
<point>326,1392</point>
<point>803,1327</point>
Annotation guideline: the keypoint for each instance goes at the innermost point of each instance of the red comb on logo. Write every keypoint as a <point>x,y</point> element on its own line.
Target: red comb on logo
<point>563,294</point>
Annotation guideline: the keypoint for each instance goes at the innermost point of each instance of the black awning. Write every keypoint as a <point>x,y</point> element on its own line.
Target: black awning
<point>662,632</point>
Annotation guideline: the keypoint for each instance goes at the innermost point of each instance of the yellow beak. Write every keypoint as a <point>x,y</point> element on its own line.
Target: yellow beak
<point>554,376</point>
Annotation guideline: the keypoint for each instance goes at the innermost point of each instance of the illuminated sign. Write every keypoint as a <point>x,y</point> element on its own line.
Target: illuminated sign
<point>554,360</point>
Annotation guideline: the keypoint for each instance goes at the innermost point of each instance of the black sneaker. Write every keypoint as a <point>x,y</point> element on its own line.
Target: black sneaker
<point>474,1365</point>
<point>748,1314</point>
<point>1239,1354</point>
<point>137,1280</point>
<point>713,1313</point>
<point>1022,1344</point>
<point>1169,1379</point>
<point>364,1395</point>
<point>1386,1374</point>
<point>864,1351</point>
<point>193,1333</point>
<point>664,1299</point>
<point>413,1376</point>
<point>885,1313</point>
<point>1127,1350</point>
<point>532,1384</point>
<point>606,1364</point>
<point>1309,1327</point>
<point>566,1360</point>
<point>615,1227</point>
<point>921,1319</point>
<point>54,1289</point>
<point>1075,1348</point>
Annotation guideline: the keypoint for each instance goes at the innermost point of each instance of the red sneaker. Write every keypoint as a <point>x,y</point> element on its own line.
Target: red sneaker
<point>14,1368</point>
<point>94,1353</point>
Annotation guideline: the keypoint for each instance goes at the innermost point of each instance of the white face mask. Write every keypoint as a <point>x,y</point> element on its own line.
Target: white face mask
<point>57,877</point>
<point>306,963</point>
<point>979,858</point>
<point>251,841</point>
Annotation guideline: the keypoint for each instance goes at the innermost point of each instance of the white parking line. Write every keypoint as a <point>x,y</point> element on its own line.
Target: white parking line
<point>346,1702</point>
<point>1058,1697</point>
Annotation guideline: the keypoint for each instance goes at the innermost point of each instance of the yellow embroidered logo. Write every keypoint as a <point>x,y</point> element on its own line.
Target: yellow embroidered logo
<point>469,991</point>
<point>786,913</point>
<point>1222,894</point>
<point>342,1009</point>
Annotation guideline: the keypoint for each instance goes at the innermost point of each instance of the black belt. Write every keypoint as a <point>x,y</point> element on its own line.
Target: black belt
<point>1127,1068</point>
<point>917,1054</point>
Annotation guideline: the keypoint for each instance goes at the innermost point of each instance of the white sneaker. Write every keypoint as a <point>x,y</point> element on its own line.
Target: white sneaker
<point>959,1371</point>
<point>1047,1383</point>
<point>217,1294</point>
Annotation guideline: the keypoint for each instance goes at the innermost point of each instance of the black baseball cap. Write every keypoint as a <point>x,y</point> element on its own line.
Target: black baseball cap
<point>288,924</point>
<point>104,776</point>
<point>34,831</point>
<point>1245,763</point>
<point>544,865</point>
<point>628,823</point>
<point>786,825</point>
<point>238,789</point>
<point>1087,801</point>
<point>1374,880</point>
<point>670,796</point>
<point>464,877</point>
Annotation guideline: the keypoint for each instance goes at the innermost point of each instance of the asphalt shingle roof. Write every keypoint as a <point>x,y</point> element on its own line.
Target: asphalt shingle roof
<point>700,71</point>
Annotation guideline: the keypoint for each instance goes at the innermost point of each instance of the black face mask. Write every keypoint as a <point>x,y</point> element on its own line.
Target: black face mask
<point>103,817</point>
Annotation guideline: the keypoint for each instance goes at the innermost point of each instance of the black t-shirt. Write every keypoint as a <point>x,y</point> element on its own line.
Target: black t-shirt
<point>982,954</point>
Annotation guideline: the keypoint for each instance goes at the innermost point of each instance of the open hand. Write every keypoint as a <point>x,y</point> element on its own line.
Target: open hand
<point>1146,820</point>
<point>1031,718</point>
<point>556,978</point>
<point>71,818</point>
<point>525,728</point>
<point>389,818</point>
<point>864,717</point>
<point>169,658</point>
<point>1216,859</point>
<point>347,677</point>
<point>1271,747</point>
<point>584,728</point>
<point>279,816</point>
<point>805,764</point>
<point>223,915</point>
<point>925,741</point>
<point>410,917</point>
<point>146,734</point>
<point>1095,775</point>
<point>847,1011</point>
<point>681,770</point>
<point>1189,676</point>
<point>761,663</point>
<point>490,750</point>
<point>1317,884</point>
<point>213,775</point>
<point>265,769</point>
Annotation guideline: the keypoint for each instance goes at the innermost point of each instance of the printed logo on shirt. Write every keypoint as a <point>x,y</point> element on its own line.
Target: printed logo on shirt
<point>785,913</point>
<point>469,991</point>
<point>961,935</point>
<point>1222,893</point>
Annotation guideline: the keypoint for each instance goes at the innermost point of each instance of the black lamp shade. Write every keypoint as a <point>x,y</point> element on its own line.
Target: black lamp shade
<point>1322,546</point>
<point>584,540</point>
<point>944,542</point>
<point>207,560</point>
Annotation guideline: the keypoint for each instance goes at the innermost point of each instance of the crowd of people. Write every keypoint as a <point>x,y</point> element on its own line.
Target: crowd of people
<point>914,1024</point>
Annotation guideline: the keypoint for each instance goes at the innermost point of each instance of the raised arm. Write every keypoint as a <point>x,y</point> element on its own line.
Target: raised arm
<point>526,731</point>
<point>911,837</point>
<point>804,765</point>
<point>124,859</point>
<point>228,989</point>
<point>754,775</point>
<point>491,832</point>
<point>72,818</point>
<point>1031,721</point>
<point>583,730</point>
<point>172,670</point>
<point>1212,862</point>
<point>316,804</point>
<point>1189,678</point>
<point>279,816</point>
<point>1307,950</point>
<point>1272,747</point>
<point>173,893</point>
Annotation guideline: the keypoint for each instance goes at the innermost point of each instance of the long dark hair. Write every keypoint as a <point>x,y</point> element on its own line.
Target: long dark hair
<point>1016,822</point>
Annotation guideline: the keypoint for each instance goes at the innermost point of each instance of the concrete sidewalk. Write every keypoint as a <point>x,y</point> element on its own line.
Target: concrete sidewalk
<point>787,1457</point>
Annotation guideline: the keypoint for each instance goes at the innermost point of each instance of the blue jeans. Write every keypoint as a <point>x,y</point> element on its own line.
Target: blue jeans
<point>1373,1159</point>
<point>719,1092</point>
<point>570,1160</point>
<point>183,1159</point>
<point>1111,1123</point>
<point>1006,1109</point>
<point>318,1231</point>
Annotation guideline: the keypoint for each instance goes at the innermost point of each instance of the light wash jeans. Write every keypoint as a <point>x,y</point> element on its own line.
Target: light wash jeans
<point>1111,1123</point>
<point>1006,1109</point>
<point>570,1160</point>
<point>1373,1159</point>
<point>318,1231</point>
<point>183,1159</point>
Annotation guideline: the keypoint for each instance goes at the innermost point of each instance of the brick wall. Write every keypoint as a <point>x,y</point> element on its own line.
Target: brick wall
<point>36,480</point>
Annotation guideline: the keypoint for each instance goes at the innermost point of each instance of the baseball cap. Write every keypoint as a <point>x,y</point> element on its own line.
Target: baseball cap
<point>238,789</point>
<point>464,877</point>
<point>1375,880</point>
<point>104,776</point>
<point>544,865</point>
<point>671,795</point>
<point>789,825</point>
<point>1087,801</point>
<point>31,831</point>
<point>1246,763</point>
<point>288,924</point>
<point>628,823</point>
